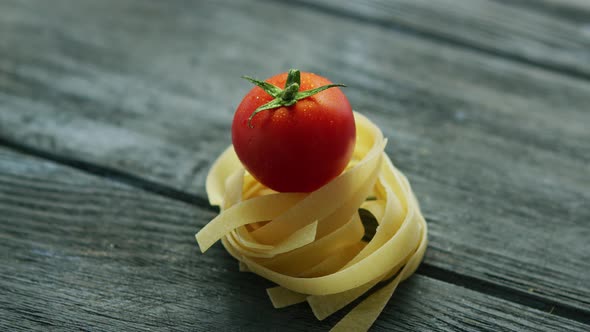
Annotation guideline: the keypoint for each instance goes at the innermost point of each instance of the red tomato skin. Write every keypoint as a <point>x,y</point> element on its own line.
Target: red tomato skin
<point>298,148</point>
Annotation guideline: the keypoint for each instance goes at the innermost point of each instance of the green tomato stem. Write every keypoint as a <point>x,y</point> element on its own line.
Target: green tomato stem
<point>288,95</point>
<point>285,97</point>
<point>294,76</point>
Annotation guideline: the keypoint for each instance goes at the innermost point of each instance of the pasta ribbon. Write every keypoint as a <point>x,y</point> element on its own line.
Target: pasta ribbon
<point>313,246</point>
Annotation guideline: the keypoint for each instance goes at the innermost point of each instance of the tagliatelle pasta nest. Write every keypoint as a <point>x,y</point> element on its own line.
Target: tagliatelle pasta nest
<point>311,244</point>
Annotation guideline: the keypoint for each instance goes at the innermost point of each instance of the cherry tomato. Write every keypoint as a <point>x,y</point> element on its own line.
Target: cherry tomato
<point>294,139</point>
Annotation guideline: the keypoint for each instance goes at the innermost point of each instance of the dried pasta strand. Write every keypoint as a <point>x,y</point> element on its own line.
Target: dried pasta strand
<point>364,315</point>
<point>324,306</point>
<point>282,297</point>
<point>304,258</point>
<point>311,245</point>
<point>250,211</point>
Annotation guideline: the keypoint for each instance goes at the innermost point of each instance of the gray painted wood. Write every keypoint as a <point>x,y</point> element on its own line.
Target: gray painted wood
<point>552,34</point>
<point>496,150</point>
<point>571,10</point>
<point>85,253</point>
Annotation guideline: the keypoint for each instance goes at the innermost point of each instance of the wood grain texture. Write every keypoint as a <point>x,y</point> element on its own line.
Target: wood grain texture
<point>533,32</point>
<point>85,253</point>
<point>570,10</point>
<point>497,152</point>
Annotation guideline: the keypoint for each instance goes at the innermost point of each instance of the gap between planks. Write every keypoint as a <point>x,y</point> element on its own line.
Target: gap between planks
<point>523,298</point>
<point>435,37</point>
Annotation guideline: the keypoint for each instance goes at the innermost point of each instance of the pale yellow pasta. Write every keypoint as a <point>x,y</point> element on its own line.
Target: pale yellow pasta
<point>311,245</point>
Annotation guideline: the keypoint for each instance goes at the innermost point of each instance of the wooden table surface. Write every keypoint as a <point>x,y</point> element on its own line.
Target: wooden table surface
<point>112,112</point>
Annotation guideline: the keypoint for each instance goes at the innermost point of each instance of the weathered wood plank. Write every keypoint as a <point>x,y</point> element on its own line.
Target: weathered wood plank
<point>571,10</point>
<point>542,33</point>
<point>497,152</point>
<point>80,252</point>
